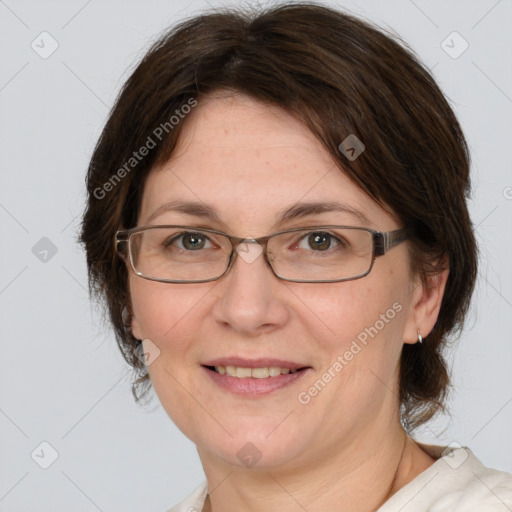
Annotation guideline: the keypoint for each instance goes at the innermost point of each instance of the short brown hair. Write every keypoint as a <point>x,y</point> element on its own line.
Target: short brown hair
<point>339,75</point>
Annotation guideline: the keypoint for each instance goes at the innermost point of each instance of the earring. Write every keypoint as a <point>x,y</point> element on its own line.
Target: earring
<point>420,337</point>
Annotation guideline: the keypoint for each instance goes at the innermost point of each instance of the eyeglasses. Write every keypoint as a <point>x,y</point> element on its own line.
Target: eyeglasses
<point>316,254</point>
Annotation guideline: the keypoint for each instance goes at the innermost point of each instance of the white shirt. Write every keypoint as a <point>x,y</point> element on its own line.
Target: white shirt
<point>456,482</point>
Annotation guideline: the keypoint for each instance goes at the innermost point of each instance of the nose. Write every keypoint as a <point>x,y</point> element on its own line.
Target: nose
<point>251,299</point>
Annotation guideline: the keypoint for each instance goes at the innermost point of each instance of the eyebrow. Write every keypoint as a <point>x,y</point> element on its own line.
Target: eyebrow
<point>298,210</point>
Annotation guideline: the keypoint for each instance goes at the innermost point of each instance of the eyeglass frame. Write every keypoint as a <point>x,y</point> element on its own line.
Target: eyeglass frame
<point>382,242</point>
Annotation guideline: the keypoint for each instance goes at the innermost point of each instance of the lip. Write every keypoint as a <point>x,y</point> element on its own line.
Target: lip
<point>254,363</point>
<point>252,387</point>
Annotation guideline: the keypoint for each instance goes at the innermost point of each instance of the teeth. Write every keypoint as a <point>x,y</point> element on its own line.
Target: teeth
<point>274,371</point>
<point>256,373</point>
<point>261,373</point>
<point>242,372</point>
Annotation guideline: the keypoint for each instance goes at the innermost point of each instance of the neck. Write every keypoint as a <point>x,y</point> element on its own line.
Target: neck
<point>337,480</point>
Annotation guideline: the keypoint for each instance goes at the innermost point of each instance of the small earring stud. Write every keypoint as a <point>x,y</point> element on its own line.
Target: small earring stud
<point>420,337</point>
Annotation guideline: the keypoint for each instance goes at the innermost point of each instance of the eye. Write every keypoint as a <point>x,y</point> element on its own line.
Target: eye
<point>190,241</point>
<point>321,241</point>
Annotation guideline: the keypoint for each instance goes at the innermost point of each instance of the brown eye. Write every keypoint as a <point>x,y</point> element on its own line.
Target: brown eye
<point>320,241</point>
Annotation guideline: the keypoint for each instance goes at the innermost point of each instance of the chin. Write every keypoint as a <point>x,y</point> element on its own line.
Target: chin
<point>255,448</point>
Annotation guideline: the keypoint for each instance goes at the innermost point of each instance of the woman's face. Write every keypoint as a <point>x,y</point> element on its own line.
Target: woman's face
<point>250,162</point>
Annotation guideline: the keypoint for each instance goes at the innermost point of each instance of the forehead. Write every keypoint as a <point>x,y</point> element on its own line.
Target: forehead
<point>249,160</point>
<point>234,126</point>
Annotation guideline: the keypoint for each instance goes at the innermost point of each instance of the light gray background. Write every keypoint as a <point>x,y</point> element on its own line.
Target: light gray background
<point>63,380</point>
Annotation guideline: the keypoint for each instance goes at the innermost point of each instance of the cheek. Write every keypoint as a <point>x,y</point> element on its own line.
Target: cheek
<point>358,330</point>
<point>170,316</point>
<point>358,326</point>
<point>346,310</point>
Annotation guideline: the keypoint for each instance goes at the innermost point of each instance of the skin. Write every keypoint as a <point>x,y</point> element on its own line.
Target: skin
<point>249,160</point>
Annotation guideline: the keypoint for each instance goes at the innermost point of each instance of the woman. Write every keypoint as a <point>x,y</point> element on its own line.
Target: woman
<point>277,223</point>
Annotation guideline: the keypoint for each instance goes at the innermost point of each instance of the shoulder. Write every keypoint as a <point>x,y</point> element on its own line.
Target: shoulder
<point>194,501</point>
<point>456,482</point>
<point>480,489</point>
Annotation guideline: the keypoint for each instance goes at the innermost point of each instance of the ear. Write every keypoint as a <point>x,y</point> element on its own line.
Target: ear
<point>425,305</point>
<point>136,328</point>
<point>131,325</point>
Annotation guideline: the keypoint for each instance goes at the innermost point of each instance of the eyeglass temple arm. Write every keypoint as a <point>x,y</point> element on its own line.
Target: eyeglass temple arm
<point>385,241</point>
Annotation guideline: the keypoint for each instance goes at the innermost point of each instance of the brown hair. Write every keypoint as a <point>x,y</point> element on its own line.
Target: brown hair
<point>340,76</point>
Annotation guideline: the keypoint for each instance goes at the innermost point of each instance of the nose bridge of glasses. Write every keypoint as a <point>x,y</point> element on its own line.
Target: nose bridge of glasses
<point>237,242</point>
<point>248,248</point>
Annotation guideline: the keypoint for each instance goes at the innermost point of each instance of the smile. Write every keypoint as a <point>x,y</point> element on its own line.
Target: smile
<point>255,373</point>
<point>253,382</point>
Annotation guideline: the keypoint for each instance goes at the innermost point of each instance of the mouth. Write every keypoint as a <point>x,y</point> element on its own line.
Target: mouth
<point>254,378</point>
<point>264,372</point>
